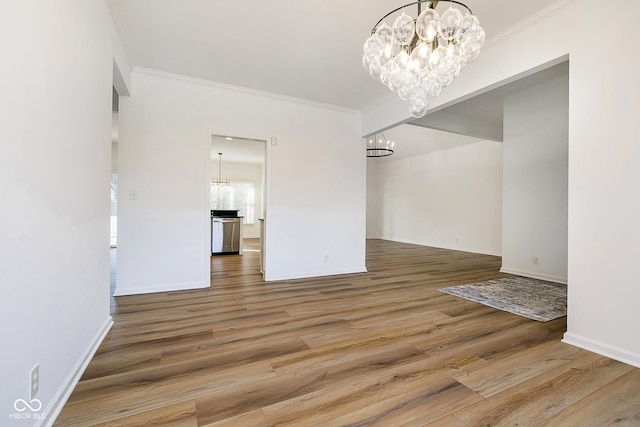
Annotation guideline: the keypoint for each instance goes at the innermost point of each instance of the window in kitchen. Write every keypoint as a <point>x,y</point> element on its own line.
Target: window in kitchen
<point>239,195</point>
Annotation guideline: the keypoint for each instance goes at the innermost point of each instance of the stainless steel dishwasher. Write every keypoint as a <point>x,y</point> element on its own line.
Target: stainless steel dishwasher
<point>226,232</point>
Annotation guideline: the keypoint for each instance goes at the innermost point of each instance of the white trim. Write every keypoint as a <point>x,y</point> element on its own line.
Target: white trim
<point>168,287</point>
<point>473,251</point>
<point>437,246</point>
<point>602,349</point>
<point>379,102</point>
<point>206,263</point>
<point>272,142</point>
<point>119,33</point>
<point>292,276</point>
<point>534,275</point>
<point>246,90</point>
<point>62,395</point>
<point>532,20</point>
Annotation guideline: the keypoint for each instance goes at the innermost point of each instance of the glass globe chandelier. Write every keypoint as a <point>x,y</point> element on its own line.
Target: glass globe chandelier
<point>418,57</point>
<point>379,145</point>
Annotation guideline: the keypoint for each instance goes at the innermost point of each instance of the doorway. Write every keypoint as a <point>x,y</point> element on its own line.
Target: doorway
<point>113,235</point>
<point>238,183</point>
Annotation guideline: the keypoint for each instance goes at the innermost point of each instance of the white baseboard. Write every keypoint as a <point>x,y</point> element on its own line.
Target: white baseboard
<point>606,350</point>
<point>449,247</point>
<point>62,395</point>
<point>120,291</point>
<point>304,275</point>
<point>475,251</point>
<point>534,275</point>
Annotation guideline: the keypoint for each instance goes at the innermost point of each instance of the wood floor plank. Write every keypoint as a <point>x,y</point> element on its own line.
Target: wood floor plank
<point>596,410</point>
<point>617,403</point>
<point>248,419</point>
<point>535,401</point>
<point>455,332</point>
<point>362,353</point>
<point>626,388</point>
<point>177,415</point>
<point>431,376</point>
<point>447,421</point>
<point>492,379</point>
<point>383,347</point>
<point>141,354</point>
<point>503,343</point>
<point>416,407</point>
<point>121,397</point>
<point>291,384</point>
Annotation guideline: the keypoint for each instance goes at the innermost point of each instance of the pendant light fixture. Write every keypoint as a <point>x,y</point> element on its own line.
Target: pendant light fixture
<point>417,57</point>
<point>219,181</point>
<point>379,145</point>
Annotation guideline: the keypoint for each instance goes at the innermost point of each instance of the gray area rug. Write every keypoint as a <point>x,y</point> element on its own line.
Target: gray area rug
<point>535,299</point>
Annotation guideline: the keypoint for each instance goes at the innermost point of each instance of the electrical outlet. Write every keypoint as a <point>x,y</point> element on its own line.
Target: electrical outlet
<point>34,381</point>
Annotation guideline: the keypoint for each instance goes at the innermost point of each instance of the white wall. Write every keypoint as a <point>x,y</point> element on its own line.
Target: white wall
<point>114,157</point>
<point>603,177</point>
<point>55,161</point>
<point>374,200</point>
<point>244,172</point>
<point>603,156</point>
<point>315,219</point>
<point>449,198</point>
<point>535,181</point>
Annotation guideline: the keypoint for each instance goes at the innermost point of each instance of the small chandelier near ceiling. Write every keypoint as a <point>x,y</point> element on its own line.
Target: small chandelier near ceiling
<point>379,145</point>
<point>418,57</point>
<point>219,182</point>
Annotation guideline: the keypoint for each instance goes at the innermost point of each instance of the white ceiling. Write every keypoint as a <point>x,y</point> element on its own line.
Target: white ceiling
<point>237,150</point>
<point>299,48</point>
<point>304,49</point>
<point>415,141</point>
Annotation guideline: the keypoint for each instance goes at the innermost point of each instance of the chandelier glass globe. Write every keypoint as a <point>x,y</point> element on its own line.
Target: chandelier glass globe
<point>417,57</point>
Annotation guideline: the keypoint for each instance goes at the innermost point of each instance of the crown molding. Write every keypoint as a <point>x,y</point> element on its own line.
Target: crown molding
<point>242,89</point>
<point>387,98</point>
<point>534,19</point>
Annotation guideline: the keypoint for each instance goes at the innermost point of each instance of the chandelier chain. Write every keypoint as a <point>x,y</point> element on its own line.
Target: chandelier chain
<point>432,5</point>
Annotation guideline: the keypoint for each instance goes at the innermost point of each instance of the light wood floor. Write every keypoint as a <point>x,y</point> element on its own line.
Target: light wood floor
<point>379,348</point>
